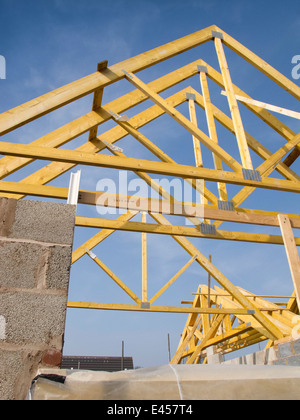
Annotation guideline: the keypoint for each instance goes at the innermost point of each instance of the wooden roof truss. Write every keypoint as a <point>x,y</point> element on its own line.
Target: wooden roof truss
<point>213,314</point>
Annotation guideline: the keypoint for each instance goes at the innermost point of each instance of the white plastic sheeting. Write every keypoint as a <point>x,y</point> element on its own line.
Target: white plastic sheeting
<point>176,382</point>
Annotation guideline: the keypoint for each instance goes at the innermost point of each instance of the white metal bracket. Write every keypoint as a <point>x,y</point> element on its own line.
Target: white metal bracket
<point>74,188</point>
<point>117,117</point>
<point>110,146</point>
<point>91,254</point>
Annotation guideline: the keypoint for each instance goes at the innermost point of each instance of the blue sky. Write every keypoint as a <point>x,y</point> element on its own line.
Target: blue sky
<point>48,43</point>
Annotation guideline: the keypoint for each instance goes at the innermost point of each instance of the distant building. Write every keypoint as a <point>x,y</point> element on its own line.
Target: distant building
<point>105,364</point>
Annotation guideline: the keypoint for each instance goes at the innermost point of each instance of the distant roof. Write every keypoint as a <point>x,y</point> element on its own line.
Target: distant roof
<point>106,364</point>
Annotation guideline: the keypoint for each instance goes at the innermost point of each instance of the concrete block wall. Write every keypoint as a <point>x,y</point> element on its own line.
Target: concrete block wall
<point>36,240</point>
<point>285,353</point>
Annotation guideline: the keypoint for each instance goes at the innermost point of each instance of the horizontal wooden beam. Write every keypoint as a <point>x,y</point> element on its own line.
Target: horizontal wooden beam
<point>136,203</point>
<point>213,293</point>
<point>248,216</point>
<point>10,187</point>
<point>170,169</point>
<point>162,309</point>
<point>101,223</point>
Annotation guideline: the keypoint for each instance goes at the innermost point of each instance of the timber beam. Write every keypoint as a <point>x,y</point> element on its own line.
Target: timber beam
<point>170,169</point>
<point>162,309</point>
<point>101,223</point>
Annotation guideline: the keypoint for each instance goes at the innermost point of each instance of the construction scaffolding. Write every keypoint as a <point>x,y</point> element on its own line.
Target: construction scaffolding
<point>225,318</point>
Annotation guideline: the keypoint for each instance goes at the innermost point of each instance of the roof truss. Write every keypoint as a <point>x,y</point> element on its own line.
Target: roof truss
<point>213,309</point>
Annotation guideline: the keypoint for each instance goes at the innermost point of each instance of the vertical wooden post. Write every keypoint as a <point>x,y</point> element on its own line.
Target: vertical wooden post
<point>144,262</point>
<point>291,251</point>
<point>209,285</point>
<point>196,142</point>
<point>97,100</point>
<point>233,105</point>
<point>212,131</point>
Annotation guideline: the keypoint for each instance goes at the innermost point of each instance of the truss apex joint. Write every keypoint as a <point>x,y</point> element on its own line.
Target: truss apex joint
<point>190,96</point>
<point>217,34</point>
<point>202,69</point>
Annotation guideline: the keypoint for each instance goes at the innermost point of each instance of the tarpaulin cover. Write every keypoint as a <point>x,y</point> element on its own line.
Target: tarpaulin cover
<point>170,382</point>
